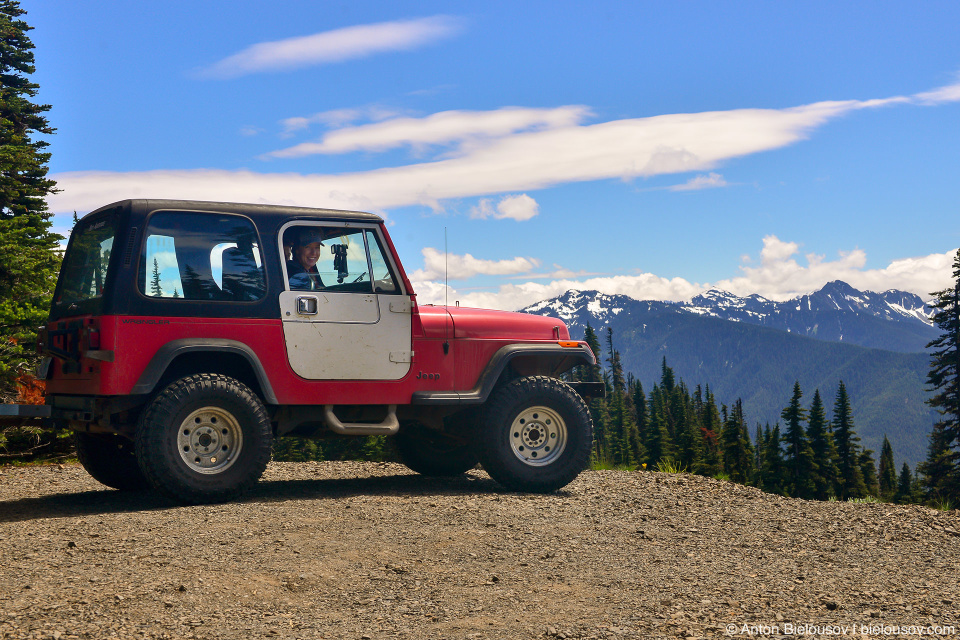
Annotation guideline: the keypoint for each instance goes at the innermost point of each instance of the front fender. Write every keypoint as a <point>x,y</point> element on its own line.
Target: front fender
<point>528,358</point>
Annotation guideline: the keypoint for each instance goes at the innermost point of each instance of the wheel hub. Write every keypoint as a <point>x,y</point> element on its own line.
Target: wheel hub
<point>538,436</point>
<point>209,440</point>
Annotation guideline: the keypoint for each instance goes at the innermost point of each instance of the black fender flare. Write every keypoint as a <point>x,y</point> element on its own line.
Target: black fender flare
<point>175,348</point>
<point>566,357</point>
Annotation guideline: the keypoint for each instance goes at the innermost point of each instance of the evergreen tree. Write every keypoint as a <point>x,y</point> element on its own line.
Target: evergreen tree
<point>936,471</point>
<point>735,443</point>
<point>851,483</point>
<point>155,288</point>
<point>904,493</point>
<point>176,294</point>
<point>667,379</point>
<point>799,459</point>
<point>941,469</point>
<point>823,448</point>
<point>758,445</point>
<point>598,406</point>
<point>590,337</point>
<point>29,260</point>
<point>888,471</point>
<point>774,468</point>
<point>640,409</point>
<point>710,427</point>
<point>658,443</point>
<point>689,439</point>
<point>622,436</point>
<point>869,470</point>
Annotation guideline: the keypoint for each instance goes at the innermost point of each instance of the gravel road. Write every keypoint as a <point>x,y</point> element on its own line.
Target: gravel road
<point>367,551</point>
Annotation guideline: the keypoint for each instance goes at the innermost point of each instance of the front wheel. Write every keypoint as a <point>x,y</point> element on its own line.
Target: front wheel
<point>535,435</point>
<point>205,438</point>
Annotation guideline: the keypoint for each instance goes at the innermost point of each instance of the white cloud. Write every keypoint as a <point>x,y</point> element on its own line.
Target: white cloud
<point>776,250</point>
<point>780,276</point>
<point>461,267</point>
<point>334,46</point>
<point>524,161</point>
<point>335,118</point>
<point>709,181</point>
<point>949,93</point>
<point>646,286</point>
<point>518,208</point>
<point>438,129</point>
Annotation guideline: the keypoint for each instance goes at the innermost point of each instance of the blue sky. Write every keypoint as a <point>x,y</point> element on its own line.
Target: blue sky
<point>651,149</point>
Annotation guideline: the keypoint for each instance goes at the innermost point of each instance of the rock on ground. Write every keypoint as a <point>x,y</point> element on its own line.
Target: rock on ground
<point>366,550</point>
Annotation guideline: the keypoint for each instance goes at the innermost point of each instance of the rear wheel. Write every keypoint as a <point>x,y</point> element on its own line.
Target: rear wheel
<point>433,453</point>
<point>205,438</point>
<point>110,460</point>
<point>535,435</point>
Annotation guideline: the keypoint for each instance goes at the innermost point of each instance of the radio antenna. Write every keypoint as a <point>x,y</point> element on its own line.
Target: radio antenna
<point>446,298</point>
<point>446,290</point>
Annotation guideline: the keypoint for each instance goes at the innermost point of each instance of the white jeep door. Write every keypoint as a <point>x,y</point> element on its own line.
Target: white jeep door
<point>347,318</point>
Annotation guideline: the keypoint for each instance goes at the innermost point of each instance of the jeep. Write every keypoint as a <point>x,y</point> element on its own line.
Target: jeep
<point>185,336</point>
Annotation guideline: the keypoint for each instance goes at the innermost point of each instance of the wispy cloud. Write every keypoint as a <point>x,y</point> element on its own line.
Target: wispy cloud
<point>334,46</point>
<point>708,181</point>
<point>514,163</point>
<point>948,93</point>
<point>781,274</point>
<point>444,128</point>
<point>336,118</point>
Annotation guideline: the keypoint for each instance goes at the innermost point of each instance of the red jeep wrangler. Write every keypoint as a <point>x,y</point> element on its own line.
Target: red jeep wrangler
<point>185,336</point>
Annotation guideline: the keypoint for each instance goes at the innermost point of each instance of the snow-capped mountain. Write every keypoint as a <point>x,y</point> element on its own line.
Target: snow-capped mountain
<point>835,296</point>
<point>892,320</point>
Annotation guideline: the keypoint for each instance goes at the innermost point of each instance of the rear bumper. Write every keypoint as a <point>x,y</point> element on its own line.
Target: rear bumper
<point>24,415</point>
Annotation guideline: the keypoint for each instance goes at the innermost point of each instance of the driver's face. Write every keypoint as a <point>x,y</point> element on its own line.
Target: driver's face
<point>308,254</point>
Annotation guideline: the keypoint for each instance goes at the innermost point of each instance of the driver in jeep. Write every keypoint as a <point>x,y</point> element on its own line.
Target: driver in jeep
<point>302,269</point>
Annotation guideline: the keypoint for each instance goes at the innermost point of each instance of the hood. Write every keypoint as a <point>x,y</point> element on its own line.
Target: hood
<point>487,324</point>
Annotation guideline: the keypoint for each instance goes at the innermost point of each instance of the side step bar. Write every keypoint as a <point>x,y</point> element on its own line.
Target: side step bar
<point>388,427</point>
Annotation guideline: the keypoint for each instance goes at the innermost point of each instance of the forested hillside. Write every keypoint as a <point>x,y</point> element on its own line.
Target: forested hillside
<point>760,365</point>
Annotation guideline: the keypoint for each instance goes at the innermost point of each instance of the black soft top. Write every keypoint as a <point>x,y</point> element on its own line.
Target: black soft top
<point>131,217</point>
<point>143,206</point>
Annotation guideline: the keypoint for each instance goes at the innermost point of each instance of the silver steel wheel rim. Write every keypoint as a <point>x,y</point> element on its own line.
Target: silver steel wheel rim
<point>209,440</point>
<point>538,436</point>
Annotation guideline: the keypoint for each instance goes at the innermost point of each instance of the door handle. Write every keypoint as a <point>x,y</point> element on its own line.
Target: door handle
<point>307,305</point>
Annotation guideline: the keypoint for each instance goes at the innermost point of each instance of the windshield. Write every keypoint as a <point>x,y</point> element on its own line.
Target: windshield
<point>84,268</point>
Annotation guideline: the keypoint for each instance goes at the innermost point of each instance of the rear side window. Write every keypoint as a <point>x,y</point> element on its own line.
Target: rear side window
<point>88,256</point>
<point>201,256</point>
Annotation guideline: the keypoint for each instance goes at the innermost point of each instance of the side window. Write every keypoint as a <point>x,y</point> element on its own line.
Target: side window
<point>326,259</point>
<point>88,256</point>
<point>201,256</point>
<point>383,280</point>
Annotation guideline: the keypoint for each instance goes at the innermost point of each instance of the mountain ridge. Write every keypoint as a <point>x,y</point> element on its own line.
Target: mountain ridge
<point>758,361</point>
<point>893,320</point>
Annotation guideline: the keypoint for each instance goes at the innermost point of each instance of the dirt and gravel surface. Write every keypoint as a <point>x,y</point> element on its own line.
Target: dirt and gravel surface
<point>367,551</point>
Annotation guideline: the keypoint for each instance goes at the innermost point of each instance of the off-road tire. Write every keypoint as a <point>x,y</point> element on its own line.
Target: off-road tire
<point>432,453</point>
<point>205,438</point>
<point>110,460</point>
<point>535,435</point>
